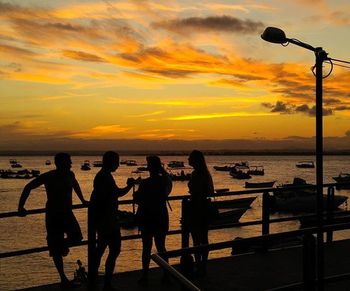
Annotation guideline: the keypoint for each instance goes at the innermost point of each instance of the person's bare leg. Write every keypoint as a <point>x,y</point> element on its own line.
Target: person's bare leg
<point>58,261</point>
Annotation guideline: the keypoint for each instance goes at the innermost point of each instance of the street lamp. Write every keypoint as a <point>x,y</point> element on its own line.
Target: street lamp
<point>276,35</point>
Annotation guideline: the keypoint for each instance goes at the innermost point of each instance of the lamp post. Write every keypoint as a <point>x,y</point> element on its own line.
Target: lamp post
<point>276,35</point>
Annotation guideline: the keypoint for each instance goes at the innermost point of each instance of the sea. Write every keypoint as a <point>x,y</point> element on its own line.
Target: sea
<point>29,232</point>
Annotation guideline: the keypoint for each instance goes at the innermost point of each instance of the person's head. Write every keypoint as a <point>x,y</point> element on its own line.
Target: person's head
<point>63,161</point>
<point>196,160</point>
<point>110,161</point>
<point>154,164</point>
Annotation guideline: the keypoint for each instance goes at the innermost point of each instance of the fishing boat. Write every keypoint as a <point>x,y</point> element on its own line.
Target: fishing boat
<point>259,184</point>
<point>305,164</point>
<point>130,163</point>
<point>97,164</point>
<point>299,199</point>
<point>85,166</point>
<point>16,165</point>
<point>47,162</point>
<point>256,170</point>
<point>244,202</point>
<point>176,164</point>
<point>179,176</point>
<point>239,172</point>
<point>225,168</point>
<point>143,168</point>
<point>21,174</point>
<point>343,178</point>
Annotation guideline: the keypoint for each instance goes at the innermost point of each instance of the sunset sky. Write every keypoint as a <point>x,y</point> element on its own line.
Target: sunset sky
<point>168,69</point>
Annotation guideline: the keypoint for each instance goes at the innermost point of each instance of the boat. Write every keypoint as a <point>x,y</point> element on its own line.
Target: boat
<point>47,162</point>
<point>20,174</point>
<point>16,165</point>
<point>97,164</point>
<point>256,170</point>
<point>143,168</point>
<point>130,163</point>
<point>176,164</point>
<point>228,216</point>
<point>225,168</point>
<point>180,176</point>
<point>259,184</point>
<point>239,172</point>
<point>343,178</point>
<point>244,202</point>
<point>300,200</point>
<point>305,164</point>
<point>13,161</point>
<point>85,166</point>
<point>230,167</point>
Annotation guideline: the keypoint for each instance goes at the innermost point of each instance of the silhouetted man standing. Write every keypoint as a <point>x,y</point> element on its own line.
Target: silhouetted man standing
<point>103,214</point>
<point>59,217</point>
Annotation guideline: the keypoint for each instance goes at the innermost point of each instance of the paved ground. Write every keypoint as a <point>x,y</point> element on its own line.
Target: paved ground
<point>258,271</point>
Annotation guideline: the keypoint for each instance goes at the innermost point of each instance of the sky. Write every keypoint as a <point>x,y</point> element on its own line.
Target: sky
<point>102,70</point>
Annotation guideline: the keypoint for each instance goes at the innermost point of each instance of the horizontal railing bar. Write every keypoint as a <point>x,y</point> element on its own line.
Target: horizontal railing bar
<point>180,197</point>
<point>256,239</point>
<point>182,279</point>
<point>173,232</point>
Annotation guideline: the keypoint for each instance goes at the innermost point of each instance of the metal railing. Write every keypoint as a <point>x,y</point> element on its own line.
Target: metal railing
<point>264,222</point>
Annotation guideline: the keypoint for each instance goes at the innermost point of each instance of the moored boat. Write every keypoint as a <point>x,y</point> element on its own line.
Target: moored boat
<point>97,164</point>
<point>300,200</point>
<point>343,178</point>
<point>256,170</point>
<point>259,184</point>
<point>85,166</point>
<point>305,164</point>
<point>47,162</point>
<point>176,164</point>
<point>239,173</point>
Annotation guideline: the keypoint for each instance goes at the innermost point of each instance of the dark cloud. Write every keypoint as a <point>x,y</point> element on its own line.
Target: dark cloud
<point>280,107</point>
<point>285,108</point>
<point>330,101</point>
<point>211,23</point>
<point>342,108</point>
<point>83,56</point>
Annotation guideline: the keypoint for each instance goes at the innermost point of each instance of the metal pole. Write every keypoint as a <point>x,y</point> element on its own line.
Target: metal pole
<point>320,57</point>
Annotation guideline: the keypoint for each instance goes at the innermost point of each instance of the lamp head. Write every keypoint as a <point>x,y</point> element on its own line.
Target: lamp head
<point>274,35</point>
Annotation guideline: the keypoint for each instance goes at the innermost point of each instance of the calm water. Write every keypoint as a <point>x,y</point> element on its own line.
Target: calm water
<point>28,232</point>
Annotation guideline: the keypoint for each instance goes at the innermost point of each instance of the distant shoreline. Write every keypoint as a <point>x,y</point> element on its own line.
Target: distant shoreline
<point>179,153</point>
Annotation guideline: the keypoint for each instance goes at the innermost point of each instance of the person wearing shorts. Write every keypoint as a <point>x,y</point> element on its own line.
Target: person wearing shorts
<point>59,218</point>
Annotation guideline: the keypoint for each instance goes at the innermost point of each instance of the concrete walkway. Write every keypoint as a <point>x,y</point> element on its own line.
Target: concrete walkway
<point>258,271</point>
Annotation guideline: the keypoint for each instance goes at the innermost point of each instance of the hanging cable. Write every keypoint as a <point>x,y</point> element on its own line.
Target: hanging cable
<point>340,61</point>
<point>341,66</point>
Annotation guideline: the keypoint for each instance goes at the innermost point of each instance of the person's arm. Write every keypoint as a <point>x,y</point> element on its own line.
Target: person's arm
<point>26,191</point>
<point>77,190</point>
<point>123,191</point>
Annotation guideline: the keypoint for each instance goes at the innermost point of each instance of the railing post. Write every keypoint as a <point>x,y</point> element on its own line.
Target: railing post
<point>330,210</point>
<point>186,260</point>
<point>266,213</point>
<point>185,233</point>
<point>309,262</point>
<point>92,272</point>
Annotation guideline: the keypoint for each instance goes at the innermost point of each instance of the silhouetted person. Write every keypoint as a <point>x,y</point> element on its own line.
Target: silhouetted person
<point>103,209</point>
<point>200,188</point>
<point>152,212</point>
<point>59,217</point>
